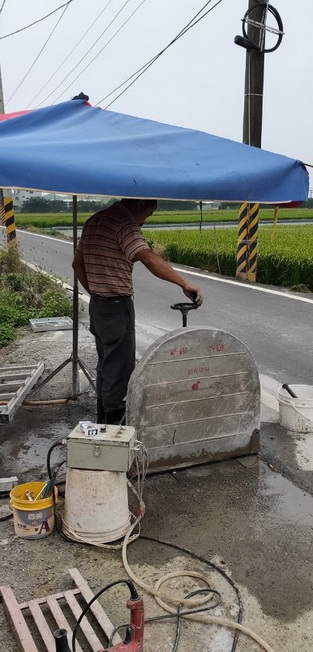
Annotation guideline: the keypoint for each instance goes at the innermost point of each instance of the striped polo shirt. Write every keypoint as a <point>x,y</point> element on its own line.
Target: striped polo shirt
<point>109,242</point>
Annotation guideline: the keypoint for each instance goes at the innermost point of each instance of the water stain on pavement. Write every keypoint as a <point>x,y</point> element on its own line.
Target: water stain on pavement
<point>260,525</point>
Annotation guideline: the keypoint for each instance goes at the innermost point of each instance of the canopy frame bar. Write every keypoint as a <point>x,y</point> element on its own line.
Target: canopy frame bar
<point>74,357</point>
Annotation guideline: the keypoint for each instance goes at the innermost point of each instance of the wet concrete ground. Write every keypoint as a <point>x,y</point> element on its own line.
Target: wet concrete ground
<point>248,516</point>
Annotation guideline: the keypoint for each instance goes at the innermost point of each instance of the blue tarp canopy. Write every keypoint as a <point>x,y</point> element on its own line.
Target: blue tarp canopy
<point>78,149</point>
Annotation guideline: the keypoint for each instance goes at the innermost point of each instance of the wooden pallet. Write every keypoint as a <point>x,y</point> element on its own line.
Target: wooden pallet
<point>23,632</point>
<point>16,381</point>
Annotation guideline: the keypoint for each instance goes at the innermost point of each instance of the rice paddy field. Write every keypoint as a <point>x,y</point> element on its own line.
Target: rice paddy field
<point>285,256</point>
<point>52,220</point>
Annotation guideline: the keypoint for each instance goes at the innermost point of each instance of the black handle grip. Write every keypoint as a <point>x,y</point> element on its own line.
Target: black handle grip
<point>289,390</point>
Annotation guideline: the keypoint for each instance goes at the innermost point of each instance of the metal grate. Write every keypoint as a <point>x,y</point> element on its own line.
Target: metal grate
<point>39,620</point>
<point>16,381</point>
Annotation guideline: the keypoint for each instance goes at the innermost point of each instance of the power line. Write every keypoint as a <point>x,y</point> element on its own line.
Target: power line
<point>4,1</point>
<point>103,48</point>
<point>38,55</point>
<point>108,42</point>
<point>182,31</point>
<point>149,63</point>
<point>36,21</point>
<point>84,56</point>
<point>71,52</point>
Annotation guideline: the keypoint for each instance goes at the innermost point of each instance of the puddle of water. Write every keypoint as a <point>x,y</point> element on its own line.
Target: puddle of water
<point>286,503</point>
<point>30,455</point>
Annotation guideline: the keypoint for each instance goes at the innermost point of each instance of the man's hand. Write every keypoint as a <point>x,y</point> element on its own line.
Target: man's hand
<point>162,269</point>
<point>193,293</point>
<point>79,269</point>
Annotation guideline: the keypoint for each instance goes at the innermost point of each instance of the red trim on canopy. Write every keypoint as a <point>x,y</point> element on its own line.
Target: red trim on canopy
<point>7,116</point>
<point>291,204</point>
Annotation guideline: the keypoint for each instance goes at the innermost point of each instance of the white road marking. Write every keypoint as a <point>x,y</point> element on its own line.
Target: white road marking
<point>285,295</point>
<point>243,285</point>
<point>39,235</point>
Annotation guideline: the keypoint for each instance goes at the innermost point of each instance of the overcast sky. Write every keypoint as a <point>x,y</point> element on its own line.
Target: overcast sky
<point>197,83</point>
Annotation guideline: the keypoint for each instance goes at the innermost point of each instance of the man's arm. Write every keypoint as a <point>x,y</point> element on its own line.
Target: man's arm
<point>162,269</point>
<point>79,269</point>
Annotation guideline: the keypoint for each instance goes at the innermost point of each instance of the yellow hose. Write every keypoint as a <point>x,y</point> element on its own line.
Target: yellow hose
<point>163,598</point>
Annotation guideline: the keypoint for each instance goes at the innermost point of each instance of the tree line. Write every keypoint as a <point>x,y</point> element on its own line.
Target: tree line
<point>41,205</point>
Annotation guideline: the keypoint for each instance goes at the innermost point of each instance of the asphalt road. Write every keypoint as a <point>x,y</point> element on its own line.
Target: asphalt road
<point>275,325</point>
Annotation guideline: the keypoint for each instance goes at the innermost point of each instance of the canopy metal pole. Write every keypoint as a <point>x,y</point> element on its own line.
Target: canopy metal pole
<point>75,310</point>
<point>74,359</point>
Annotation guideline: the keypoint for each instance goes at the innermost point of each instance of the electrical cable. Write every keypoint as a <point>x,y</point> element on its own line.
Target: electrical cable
<point>171,598</point>
<point>36,21</point>
<point>84,56</point>
<point>154,591</point>
<point>50,451</point>
<point>133,593</point>
<point>179,615</point>
<point>181,33</point>
<point>158,56</point>
<point>50,475</point>
<point>214,567</point>
<point>4,1</point>
<point>153,58</point>
<point>110,40</point>
<point>149,63</point>
<point>38,55</point>
<point>248,21</point>
<point>103,48</point>
<point>71,52</point>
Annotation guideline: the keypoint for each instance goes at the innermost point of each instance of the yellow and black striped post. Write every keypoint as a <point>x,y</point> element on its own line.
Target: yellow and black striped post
<point>253,227</point>
<point>242,247</point>
<point>8,219</point>
<point>247,241</point>
<point>2,212</point>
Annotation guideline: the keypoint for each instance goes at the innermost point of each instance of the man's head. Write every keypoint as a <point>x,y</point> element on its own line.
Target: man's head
<point>140,208</point>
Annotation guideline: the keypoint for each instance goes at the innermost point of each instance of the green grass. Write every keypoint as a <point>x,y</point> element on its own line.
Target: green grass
<point>50,220</point>
<point>226,216</point>
<point>26,295</point>
<point>286,261</point>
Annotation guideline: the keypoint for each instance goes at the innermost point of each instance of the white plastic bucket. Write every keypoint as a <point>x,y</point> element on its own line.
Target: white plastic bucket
<point>296,414</point>
<point>96,505</point>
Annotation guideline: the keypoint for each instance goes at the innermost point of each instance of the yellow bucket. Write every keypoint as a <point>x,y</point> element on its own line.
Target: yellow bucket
<point>33,519</point>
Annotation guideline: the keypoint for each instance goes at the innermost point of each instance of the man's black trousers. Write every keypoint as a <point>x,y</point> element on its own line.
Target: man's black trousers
<point>112,322</point>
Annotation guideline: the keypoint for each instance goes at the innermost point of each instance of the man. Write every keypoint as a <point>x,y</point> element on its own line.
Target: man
<point>110,244</point>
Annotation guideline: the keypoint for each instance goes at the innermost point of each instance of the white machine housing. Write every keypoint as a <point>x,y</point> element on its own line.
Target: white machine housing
<point>111,450</point>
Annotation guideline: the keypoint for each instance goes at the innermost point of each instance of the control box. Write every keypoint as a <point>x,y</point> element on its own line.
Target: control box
<point>110,449</point>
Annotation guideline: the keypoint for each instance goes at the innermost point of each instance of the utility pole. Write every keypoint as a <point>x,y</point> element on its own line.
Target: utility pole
<point>253,40</point>
<point>6,201</point>
<point>253,97</point>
